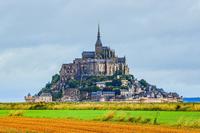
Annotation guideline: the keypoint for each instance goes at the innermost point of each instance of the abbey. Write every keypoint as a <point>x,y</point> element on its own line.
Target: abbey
<point>101,62</point>
<point>100,75</point>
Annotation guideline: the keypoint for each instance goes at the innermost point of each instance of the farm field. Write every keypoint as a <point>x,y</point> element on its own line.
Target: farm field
<point>100,117</point>
<point>21,124</point>
<point>163,117</point>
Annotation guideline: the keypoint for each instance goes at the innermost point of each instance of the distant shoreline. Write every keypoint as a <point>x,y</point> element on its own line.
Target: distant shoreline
<point>191,99</point>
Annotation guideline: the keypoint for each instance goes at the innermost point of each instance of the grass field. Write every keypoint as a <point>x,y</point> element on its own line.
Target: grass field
<point>163,117</point>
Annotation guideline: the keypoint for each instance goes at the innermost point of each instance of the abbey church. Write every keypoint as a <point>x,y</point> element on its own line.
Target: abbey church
<point>101,62</point>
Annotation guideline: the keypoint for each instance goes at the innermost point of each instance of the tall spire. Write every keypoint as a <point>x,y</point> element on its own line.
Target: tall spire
<point>98,34</point>
<point>98,42</point>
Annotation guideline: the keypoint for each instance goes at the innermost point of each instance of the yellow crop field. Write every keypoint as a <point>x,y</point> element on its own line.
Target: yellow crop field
<point>21,124</point>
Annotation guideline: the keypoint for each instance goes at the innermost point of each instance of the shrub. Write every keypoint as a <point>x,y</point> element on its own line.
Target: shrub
<point>39,106</point>
<point>16,113</point>
<point>178,107</point>
<point>146,120</point>
<point>109,116</point>
<point>131,119</point>
<point>155,121</point>
<point>138,119</point>
<point>121,118</point>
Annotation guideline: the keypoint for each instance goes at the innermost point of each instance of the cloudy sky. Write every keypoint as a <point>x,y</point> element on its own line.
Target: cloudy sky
<point>161,40</point>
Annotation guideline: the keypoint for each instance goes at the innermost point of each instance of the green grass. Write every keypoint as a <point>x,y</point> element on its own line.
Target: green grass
<point>75,114</point>
<point>4,112</point>
<point>164,117</point>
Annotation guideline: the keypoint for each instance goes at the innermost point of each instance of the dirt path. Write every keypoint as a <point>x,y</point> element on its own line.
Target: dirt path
<point>16,124</point>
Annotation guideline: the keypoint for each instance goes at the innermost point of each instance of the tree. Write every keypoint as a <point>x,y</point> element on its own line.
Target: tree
<point>55,78</point>
<point>73,83</point>
<point>91,89</point>
<point>48,86</point>
<point>116,82</point>
<point>57,95</point>
<point>108,89</point>
<point>109,83</point>
<point>143,83</point>
<point>46,89</point>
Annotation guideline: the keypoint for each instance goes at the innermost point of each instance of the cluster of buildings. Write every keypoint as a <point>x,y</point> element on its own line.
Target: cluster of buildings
<point>44,97</point>
<point>101,62</point>
<point>132,91</point>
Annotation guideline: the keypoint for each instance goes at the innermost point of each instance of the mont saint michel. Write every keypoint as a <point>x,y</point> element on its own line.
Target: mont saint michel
<point>101,62</point>
<point>100,75</point>
<point>99,66</point>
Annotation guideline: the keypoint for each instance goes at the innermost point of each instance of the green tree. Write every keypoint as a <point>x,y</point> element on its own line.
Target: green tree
<point>46,89</point>
<point>55,78</point>
<point>73,83</point>
<point>109,84</point>
<point>91,89</point>
<point>143,82</point>
<point>57,95</point>
<point>116,82</point>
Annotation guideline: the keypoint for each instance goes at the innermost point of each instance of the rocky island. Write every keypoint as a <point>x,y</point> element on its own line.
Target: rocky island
<point>100,75</point>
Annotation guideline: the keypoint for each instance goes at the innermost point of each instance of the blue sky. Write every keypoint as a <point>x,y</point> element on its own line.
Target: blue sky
<point>159,38</point>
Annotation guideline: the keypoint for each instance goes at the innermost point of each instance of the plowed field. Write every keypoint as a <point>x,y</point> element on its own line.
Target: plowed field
<point>20,124</point>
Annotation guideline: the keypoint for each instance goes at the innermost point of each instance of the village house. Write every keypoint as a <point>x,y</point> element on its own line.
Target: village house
<point>124,92</point>
<point>103,96</point>
<point>101,84</point>
<point>44,97</point>
<point>29,98</point>
<point>124,82</point>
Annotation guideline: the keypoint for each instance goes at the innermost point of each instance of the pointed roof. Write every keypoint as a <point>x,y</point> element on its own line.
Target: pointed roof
<point>98,34</point>
<point>98,42</point>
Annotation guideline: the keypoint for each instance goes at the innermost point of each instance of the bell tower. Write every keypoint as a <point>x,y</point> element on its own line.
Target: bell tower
<point>98,45</point>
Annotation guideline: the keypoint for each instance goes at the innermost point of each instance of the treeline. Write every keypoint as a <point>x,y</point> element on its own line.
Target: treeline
<point>102,106</point>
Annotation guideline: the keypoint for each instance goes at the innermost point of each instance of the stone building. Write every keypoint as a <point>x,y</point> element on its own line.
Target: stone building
<point>44,97</point>
<point>71,95</point>
<point>29,98</point>
<point>103,96</point>
<point>101,62</point>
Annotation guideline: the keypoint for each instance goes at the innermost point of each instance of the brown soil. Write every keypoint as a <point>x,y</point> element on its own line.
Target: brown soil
<point>20,124</point>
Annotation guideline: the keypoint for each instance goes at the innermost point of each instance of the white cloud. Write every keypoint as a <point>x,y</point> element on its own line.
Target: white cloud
<point>24,70</point>
<point>158,37</point>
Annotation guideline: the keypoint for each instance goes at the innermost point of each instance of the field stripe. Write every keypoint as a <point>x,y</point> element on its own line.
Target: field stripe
<point>75,126</point>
